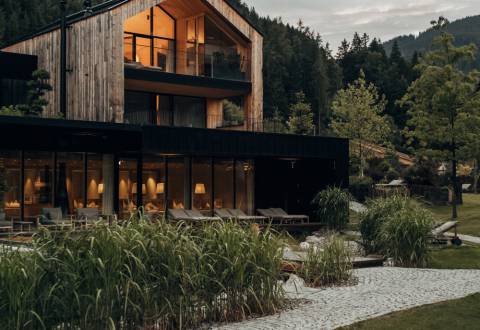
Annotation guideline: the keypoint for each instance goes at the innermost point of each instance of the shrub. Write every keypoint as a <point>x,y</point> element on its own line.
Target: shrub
<point>378,212</point>
<point>361,188</point>
<point>331,207</point>
<point>141,275</point>
<point>397,228</point>
<point>405,236</point>
<point>330,266</point>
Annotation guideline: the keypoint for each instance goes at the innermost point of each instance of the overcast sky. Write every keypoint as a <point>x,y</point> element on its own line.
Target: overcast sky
<point>339,19</point>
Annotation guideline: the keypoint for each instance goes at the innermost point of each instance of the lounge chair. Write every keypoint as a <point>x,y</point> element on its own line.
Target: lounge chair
<point>178,215</point>
<point>88,216</point>
<point>54,218</point>
<point>224,214</point>
<point>290,217</point>
<point>241,216</point>
<point>6,226</point>
<point>197,216</point>
<point>271,216</point>
<point>437,233</point>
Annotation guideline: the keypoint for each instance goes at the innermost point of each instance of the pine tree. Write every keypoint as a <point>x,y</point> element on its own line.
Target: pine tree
<point>301,117</point>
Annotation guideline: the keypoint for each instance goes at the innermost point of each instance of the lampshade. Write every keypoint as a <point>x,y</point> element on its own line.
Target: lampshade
<point>200,189</point>
<point>160,188</point>
<point>101,188</point>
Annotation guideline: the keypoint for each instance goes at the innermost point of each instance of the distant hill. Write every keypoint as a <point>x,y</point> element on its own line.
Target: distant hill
<point>465,31</point>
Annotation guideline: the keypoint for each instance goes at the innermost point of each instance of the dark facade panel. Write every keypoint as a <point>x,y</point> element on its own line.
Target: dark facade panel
<point>65,135</point>
<point>245,144</point>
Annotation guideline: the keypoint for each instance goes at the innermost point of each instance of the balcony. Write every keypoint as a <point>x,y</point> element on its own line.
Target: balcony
<point>208,61</point>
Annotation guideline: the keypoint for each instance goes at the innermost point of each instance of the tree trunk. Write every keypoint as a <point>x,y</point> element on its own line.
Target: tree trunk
<point>475,177</point>
<point>454,188</point>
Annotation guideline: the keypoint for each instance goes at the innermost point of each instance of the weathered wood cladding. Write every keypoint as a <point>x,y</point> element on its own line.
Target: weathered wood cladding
<point>96,62</point>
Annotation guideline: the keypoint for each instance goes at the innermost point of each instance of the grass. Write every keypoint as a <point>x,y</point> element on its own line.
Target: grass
<point>463,257</point>
<point>455,314</point>
<point>468,214</point>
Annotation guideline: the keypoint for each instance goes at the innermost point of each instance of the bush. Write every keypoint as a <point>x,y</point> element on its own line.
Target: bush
<point>397,228</point>
<point>330,266</point>
<point>141,276</point>
<point>361,188</point>
<point>378,212</point>
<point>331,208</point>
<point>405,236</point>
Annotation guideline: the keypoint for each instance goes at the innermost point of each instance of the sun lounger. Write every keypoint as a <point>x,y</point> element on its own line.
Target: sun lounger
<point>224,214</point>
<point>197,216</point>
<point>447,226</point>
<point>178,215</point>
<point>241,216</point>
<point>290,217</point>
<point>190,216</point>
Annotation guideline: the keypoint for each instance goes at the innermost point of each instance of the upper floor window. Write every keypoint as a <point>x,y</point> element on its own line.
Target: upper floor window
<point>149,39</point>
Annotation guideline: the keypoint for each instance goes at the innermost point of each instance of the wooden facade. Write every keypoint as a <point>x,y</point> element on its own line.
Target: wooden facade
<point>95,60</point>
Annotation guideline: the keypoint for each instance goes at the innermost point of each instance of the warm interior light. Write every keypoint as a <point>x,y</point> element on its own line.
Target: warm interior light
<point>101,188</point>
<point>160,188</point>
<point>200,189</point>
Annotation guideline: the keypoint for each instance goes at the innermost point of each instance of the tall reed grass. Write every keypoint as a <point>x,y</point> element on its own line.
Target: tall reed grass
<point>141,275</point>
<point>331,265</point>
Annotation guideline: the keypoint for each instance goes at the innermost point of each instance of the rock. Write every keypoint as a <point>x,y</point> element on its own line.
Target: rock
<point>305,246</point>
<point>294,283</point>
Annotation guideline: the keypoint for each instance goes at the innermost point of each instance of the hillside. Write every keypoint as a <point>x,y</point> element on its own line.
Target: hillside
<point>465,30</point>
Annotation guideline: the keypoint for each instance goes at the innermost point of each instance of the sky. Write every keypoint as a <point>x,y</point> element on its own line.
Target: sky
<point>336,20</point>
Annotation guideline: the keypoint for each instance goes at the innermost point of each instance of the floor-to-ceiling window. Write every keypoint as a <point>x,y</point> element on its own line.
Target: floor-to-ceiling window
<point>149,39</point>
<point>224,184</point>
<point>244,183</point>
<point>70,181</point>
<point>95,187</point>
<point>128,189</point>
<point>10,187</point>
<point>38,182</point>
<point>154,181</point>
<point>164,110</point>
<point>202,184</point>
<point>176,182</point>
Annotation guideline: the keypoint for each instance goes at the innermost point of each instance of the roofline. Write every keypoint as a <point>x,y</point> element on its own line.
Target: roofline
<point>97,10</point>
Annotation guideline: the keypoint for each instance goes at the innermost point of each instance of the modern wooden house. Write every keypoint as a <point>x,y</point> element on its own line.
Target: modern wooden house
<point>162,105</point>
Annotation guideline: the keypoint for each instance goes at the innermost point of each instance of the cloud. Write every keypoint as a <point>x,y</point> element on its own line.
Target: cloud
<point>336,20</point>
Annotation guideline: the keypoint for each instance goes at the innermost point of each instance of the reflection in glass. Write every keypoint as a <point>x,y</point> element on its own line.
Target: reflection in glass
<point>176,183</point>
<point>202,184</point>
<point>155,184</point>
<point>95,184</point>
<point>10,195</point>
<point>38,182</point>
<point>138,107</point>
<point>189,112</point>
<point>223,177</point>
<point>127,187</point>
<point>69,192</point>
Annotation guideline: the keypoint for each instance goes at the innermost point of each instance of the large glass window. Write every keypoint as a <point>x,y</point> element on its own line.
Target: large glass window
<point>189,112</point>
<point>128,187</point>
<point>223,184</point>
<point>176,183</point>
<point>11,192</point>
<point>244,185</point>
<point>38,182</point>
<point>149,39</point>
<point>95,184</point>
<point>69,194</point>
<point>138,108</point>
<point>202,184</point>
<point>164,110</point>
<point>154,181</point>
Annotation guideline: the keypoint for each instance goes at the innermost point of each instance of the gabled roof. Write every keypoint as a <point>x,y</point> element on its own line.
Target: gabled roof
<point>96,10</point>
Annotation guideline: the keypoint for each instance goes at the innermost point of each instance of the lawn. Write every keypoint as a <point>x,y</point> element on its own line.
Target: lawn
<point>468,214</point>
<point>455,314</point>
<point>463,257</point>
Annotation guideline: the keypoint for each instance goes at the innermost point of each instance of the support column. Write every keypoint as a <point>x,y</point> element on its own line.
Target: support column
<point>108,196</point>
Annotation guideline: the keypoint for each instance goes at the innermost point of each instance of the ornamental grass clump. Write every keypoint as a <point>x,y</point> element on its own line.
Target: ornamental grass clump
<point>141,275</point>
<point>405,236</point>
<point>378,212</point>
<point>331,265</point>
<point>331,208</point>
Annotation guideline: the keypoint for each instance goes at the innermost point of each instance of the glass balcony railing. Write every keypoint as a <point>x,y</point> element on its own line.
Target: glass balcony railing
<point>201,61</point>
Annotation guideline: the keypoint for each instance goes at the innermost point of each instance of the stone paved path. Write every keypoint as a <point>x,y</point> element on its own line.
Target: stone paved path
<point>379,291</point>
